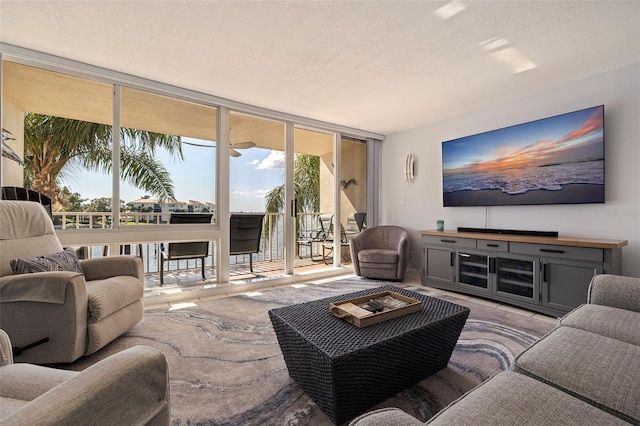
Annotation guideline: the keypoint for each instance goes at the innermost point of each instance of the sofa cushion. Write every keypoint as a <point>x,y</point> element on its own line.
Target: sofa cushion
<point>510,398</point>
<point>66,260</point>
<point>619,324</point>
<point>378,256</point>
<point>600,370</point>
<point>9,405</point>
<point>386,417</point>
<point>112,294</point>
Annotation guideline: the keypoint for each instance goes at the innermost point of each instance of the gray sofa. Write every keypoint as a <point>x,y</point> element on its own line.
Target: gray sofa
<point>585,371</point>
<point>128,388</point>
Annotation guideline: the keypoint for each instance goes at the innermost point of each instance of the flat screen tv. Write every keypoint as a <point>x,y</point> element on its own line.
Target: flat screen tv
<point>555,160</point>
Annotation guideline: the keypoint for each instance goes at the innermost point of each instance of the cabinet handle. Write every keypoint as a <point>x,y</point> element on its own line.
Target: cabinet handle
<point>492,265</point>
<point>448,241</point>
<point>545,271</point>
<point>493,245</point>
<point>452,258</point>
<point>552,251</point>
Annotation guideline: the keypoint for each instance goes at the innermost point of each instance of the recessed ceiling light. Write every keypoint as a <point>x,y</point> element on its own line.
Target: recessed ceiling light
<point>450,9</point>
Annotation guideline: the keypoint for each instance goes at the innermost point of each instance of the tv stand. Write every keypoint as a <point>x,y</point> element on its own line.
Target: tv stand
<point>550,275</point>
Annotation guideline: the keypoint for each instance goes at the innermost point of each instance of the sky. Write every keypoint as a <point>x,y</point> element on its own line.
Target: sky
<point>560,138</point>
<point>253,174</point>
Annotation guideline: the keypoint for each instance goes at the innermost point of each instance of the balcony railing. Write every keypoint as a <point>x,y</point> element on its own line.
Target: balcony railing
<point>271,243</point>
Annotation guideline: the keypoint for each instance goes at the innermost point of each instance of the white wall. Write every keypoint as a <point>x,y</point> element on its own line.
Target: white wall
<point>418,206</point>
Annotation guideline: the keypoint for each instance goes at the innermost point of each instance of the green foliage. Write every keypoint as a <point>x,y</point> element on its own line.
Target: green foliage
<point>306,189</point>
<point>72,201</point>
<point>102,204</point>
<point>58,146</point>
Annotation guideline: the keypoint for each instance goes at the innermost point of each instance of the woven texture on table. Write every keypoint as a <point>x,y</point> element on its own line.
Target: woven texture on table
<point>347,370</point>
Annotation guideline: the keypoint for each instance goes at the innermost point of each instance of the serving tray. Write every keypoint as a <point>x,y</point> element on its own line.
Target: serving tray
<point>354,310</point>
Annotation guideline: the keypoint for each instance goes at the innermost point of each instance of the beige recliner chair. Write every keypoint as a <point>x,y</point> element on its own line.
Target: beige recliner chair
<point>78,313</point>
<point>381,252</point>
<point>130,387</point>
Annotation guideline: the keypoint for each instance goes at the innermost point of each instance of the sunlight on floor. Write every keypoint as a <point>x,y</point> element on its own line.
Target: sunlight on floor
<point>177,306</point>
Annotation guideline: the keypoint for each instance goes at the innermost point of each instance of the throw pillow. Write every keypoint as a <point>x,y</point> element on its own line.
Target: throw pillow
<point>66,260</point>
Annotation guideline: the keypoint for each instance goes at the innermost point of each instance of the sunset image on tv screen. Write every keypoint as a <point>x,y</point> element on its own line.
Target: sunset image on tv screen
<point>556,160</point>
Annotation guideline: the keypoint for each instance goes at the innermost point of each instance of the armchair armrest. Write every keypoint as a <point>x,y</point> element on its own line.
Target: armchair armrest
<point>616,291</point>
<point>43,287</point>
<point>100,268</point>
<point>45,305</point>
<point>404,252</point>
<point>129,387</point>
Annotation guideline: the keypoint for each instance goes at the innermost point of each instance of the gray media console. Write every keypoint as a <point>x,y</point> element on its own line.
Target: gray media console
<point>550,275</point>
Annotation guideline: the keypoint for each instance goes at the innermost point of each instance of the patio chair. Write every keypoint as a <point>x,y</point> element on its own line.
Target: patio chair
<point>246,231</point>
<point>187,250</point>
<point>317,235</point>
<point>55,307</point>
<point>23,194</point>
<point>355,223</point>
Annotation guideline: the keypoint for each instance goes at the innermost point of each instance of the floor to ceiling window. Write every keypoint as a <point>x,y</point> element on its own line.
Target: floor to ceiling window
<point>314,182</point>
<point>115,191</point>
<point>353,188</point>
<point>256,184</point>
<point>168,175</point>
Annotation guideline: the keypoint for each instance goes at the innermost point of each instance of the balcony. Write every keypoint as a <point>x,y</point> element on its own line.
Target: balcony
<point>185,275</point>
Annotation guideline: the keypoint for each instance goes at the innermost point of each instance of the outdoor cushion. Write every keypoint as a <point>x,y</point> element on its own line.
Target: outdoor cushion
<point>619,324</point>
<point>598,369</point>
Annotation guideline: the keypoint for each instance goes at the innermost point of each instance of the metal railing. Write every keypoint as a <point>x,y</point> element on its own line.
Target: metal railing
<point>271,243</point>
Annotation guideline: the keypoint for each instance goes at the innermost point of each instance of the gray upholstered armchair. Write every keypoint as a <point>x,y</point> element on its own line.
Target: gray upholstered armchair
<point>381,252</point>
<point>66,313</point>
<point>130,387</point>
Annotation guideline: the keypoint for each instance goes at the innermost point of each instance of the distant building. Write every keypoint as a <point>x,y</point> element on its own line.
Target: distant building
<point>170,205</point>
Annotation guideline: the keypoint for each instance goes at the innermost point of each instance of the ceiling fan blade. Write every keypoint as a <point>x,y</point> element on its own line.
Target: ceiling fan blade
<point>243,145</point>
<point>234,153</point>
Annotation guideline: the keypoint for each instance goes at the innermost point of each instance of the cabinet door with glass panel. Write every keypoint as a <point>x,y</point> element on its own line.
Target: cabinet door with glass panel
<point>516,277</point>
<point>474,273</point>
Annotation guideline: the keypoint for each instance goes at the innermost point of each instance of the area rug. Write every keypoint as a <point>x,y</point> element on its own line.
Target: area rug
<point>226,367</point>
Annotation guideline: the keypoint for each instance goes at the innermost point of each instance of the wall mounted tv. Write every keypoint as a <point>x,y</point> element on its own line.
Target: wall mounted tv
<point>555,160</point>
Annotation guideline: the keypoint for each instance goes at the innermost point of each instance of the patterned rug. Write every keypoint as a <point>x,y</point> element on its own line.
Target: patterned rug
<point>226,367</point>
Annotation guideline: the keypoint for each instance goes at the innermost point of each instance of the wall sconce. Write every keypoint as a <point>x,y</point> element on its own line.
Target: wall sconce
<point>409,169</point>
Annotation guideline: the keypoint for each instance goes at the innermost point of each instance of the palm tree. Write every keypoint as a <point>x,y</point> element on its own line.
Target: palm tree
<point>54,145</point>
<point>306,177</point>
<point>306,172</point>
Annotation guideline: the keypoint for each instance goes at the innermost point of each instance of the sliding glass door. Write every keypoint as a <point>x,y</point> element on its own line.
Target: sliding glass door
<point>122,155</point>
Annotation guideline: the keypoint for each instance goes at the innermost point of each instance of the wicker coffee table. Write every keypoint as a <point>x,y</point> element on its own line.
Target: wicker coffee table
<point>347,370</point>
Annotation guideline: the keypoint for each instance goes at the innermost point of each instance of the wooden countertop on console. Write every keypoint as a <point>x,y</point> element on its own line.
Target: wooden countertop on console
<point>559,241</point>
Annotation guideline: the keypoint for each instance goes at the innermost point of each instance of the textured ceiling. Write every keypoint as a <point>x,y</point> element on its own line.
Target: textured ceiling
<point>380,66</point>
